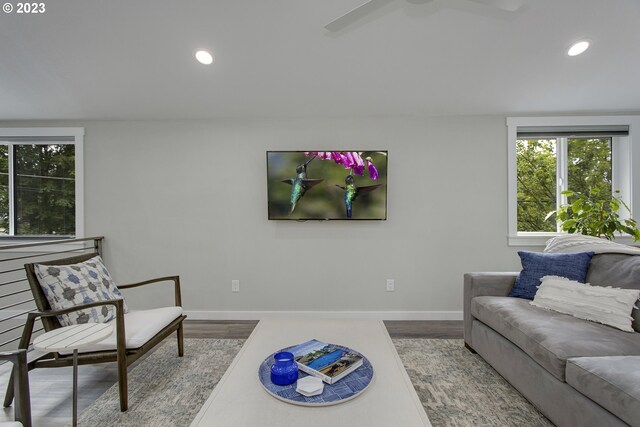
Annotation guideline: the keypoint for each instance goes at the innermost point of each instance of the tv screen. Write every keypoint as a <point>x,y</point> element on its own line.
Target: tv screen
<point>323,185</point>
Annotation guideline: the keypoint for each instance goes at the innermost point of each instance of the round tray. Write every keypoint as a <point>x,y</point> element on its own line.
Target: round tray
<point>343,390</point>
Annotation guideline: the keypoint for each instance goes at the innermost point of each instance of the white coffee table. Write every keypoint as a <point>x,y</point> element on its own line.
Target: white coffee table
<point>240,400</point>
<point>70,338</point>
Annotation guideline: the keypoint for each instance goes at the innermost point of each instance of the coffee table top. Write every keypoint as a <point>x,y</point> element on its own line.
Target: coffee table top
<point>240,400</point>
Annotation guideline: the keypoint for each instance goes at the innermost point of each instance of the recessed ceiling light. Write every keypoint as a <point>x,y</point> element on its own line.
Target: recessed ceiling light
<point>203,56</point>
<point>578,47</point>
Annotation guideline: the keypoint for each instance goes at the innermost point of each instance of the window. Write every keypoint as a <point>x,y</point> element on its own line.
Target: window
<point>41,182</point>
<point>550,155</point>
<point>547,166</point>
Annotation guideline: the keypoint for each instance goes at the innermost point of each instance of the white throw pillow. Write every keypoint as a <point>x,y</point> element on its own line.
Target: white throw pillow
<point>609,306</point>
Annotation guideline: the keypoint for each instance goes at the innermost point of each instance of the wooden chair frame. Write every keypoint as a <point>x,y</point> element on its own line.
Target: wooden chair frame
<point>122,355</point>
<point>20,381</point>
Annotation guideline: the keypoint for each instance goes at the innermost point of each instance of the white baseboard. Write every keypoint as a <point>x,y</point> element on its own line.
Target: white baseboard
<point>384,315</point>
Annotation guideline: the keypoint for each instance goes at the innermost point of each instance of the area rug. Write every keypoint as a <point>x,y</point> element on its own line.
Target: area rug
<point>166,390</point>
<point>456,388</point>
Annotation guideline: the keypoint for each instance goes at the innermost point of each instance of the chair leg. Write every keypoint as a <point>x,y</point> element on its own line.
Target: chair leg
<point>122,385</point>
<point>180,340</point>
<point>22,407</point>
<point>8,397</point>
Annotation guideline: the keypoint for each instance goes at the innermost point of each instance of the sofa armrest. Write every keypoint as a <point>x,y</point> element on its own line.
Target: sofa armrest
<point>481,284</point>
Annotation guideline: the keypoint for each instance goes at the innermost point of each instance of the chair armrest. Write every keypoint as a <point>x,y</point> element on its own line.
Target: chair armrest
<point>27,331</point>
<point>14,356</point>
<point>481,284</point>
<point>118,303</point>
<point>174,279</point>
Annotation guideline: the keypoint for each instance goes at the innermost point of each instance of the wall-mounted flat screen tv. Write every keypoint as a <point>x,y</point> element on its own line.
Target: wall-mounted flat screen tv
<point>323,185</point>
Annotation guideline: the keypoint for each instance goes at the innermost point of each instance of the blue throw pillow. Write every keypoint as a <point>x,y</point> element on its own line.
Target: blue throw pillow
<point>536,265</point>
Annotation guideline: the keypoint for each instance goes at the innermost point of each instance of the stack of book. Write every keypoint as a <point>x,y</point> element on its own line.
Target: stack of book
<point>328,362</point>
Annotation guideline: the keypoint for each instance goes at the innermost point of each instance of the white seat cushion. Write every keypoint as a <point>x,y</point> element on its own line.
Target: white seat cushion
<point>139,326</point>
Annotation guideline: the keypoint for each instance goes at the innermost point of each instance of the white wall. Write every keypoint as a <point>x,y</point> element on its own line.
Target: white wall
<point>189,198</point>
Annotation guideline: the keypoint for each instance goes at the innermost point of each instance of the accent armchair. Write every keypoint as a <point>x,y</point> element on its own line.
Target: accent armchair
<point>135,332</point>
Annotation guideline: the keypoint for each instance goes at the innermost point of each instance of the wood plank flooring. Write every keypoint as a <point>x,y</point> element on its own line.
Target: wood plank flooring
<point>397,329</point>
<point>51,388</point>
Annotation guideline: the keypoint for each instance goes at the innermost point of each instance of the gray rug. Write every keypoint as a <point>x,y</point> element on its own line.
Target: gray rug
<point>456,387</point>
<point>166,390</point>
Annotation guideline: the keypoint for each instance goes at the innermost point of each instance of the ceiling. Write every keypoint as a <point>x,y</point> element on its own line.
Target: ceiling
<point>133,59</point>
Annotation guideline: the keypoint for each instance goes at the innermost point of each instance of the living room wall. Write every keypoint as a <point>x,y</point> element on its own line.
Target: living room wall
<point>189,198</point>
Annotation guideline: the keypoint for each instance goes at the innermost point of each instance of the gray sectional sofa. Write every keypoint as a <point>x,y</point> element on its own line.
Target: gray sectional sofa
<point>576,372</point>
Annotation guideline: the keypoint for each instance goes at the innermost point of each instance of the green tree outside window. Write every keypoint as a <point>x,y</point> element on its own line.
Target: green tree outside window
<point>44,189</point>
<point>588,169</point>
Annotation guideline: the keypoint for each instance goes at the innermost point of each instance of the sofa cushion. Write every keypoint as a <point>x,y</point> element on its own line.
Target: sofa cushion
<point>139,327</point>
<point>612,382</point>
<point>619,271</point>
<point>551,338</point>
<point>536,265</point>
<point>609,306</point>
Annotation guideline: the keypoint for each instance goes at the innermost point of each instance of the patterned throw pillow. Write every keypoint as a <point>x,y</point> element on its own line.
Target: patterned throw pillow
<point>67,286</point>
<point>536,265</point>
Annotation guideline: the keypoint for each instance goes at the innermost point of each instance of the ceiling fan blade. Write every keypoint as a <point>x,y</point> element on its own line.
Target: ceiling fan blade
<point>506,5</point>
<point>355,15</point>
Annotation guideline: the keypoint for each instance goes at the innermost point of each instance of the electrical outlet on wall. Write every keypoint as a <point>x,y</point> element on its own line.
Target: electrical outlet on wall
<point>235,286</point>
<point>391,285</point>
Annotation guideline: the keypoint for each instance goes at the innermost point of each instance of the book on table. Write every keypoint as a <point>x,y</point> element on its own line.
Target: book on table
<point>328,362</point>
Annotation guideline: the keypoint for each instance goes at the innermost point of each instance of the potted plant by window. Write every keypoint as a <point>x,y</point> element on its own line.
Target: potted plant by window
<point>593,215</point>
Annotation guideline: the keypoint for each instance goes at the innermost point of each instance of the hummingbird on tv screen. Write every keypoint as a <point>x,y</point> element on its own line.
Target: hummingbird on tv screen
<point>352,191</point>
<point>300,184</point>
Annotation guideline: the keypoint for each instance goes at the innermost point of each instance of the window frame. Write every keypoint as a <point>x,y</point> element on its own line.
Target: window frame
<point>623,159</point>
<point>76,135</point>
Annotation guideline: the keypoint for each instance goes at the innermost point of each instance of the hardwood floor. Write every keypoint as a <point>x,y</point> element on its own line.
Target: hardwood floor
<point>397,329</point>
<point>229,329</point>
<point>444,329</point>
<point>50,388</point>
